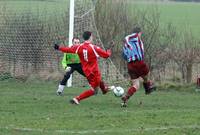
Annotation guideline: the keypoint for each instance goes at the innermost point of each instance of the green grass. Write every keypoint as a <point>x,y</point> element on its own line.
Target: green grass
<point>35,5</point>
<point>34,109</point>
<point>184,15</point>
<point>181,14</point>
<point>45,10</point>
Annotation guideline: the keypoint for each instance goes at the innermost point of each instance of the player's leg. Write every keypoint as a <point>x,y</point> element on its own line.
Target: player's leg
<point>147,84</point>
<point>78,68</point>
<point>94,82</point>
<point>133,73</point>
<point>83,95</point>
<point>63,82</point>
<point>103,87</point>
<point>135,86</point>
<point>67,76</point>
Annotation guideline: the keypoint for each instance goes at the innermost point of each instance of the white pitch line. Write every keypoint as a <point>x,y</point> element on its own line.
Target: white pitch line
<point>104,130</point>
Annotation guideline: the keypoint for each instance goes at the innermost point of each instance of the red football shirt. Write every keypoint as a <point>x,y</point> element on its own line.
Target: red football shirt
<point>88,54</point>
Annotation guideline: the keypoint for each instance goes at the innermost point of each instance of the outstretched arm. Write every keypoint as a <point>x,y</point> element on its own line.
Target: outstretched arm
<point>65,49</point>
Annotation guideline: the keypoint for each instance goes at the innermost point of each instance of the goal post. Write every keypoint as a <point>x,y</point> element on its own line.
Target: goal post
<point>71,33</point>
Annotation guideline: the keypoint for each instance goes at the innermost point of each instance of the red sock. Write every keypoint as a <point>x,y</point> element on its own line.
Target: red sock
<point>103,87</point>
<point>130,92</point>
<point>85,94</point>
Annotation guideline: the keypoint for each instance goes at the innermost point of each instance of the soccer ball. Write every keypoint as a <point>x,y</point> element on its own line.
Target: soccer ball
<point>118,91</point>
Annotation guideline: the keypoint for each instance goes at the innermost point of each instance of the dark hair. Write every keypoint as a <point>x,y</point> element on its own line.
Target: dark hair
<point>75,38</point>
<point>136,30</point>
<point>87,35</point>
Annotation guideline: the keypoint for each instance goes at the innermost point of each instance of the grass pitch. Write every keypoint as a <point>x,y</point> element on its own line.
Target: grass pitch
<point>34,109</point>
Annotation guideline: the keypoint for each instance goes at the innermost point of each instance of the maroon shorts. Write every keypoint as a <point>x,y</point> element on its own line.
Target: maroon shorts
<point>137,69</point>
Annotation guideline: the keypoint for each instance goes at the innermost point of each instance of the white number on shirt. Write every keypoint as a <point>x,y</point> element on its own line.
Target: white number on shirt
<point>85,54</point>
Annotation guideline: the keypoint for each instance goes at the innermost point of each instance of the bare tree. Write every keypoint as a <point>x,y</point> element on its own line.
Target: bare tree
<point>185,52</point>
<point>114,21</point>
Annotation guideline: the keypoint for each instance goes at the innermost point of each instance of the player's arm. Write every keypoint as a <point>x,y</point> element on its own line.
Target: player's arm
<point>65,49</point>
<point>102,53</point>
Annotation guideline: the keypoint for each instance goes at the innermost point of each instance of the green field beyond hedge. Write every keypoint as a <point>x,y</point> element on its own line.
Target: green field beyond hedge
<point>181,14</point>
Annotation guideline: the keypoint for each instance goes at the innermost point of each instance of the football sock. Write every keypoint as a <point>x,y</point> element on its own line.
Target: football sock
<point>130,92</point>
<point>85,94</point>
<point>146,85</point>
<point>61,87</point>
<point>103,87</point>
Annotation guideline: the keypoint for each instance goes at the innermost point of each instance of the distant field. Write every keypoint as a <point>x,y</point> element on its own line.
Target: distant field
<point>34,5</point>
<point>34,109</point>
<point>181,14</point>
<point>45,10</point>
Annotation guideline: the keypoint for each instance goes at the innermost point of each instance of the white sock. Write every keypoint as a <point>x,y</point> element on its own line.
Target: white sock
<point>61,88</point>
<point>111,87</point>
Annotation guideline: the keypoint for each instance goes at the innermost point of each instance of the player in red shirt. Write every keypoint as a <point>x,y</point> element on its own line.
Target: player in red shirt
<point>88,54</point>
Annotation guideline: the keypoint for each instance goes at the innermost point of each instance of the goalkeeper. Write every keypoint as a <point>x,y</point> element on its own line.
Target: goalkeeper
<point>70,63</point>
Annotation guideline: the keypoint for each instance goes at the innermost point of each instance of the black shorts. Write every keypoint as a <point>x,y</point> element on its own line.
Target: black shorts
<point>76,67</point>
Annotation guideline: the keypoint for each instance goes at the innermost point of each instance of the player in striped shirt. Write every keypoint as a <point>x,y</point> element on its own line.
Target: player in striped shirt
<point>133,52</point>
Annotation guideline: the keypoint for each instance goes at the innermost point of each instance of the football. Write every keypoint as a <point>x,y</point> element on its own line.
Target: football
<point>118,91</point>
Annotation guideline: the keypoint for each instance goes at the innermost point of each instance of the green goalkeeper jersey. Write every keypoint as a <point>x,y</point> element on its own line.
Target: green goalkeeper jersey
<point>70,58</point>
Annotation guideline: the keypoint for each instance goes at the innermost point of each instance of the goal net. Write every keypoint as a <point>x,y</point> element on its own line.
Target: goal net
<point>84,20</point>
<point>28,30</point>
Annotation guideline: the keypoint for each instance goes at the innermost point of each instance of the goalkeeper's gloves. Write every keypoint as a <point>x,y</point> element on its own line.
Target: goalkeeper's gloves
<point>56,46</point>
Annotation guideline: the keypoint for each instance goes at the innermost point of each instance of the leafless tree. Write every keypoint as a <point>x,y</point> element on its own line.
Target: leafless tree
<point>185,52</point>
<point>114,21</point>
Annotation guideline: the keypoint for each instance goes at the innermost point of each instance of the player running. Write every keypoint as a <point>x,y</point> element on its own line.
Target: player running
<point>133,53</point>
<point>88,54</point>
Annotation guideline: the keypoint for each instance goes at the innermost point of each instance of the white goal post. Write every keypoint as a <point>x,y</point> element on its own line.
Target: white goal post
<point>71,33</point>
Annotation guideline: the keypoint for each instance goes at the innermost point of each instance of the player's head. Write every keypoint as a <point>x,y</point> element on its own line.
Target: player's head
<point>75,41</point>
<point>87,35</point>
<point>137,30</point>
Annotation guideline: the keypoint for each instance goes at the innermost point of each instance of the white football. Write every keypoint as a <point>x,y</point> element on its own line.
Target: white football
<point>118,91</point>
